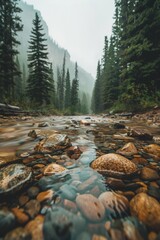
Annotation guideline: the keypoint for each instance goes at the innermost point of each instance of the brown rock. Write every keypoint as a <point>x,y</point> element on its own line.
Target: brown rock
<point>32,208</point>
<point>147,209</point>
<point>74,152</point>
<point>149,174</point>
<point>52,169</point>
<point>139,160</point>
<point>98,237</point>
<point>114,202</point>
<point>20,215</point>
<point>152,236</point>
<point>91,207</point>
<point>23,199</point>
<point>43,196</point>
<point>33,191</point>
<point>142,134</point>
<point>18,234</point>
<point>153,149</point>
<point>35,228</point>
<point>115,183</point>
<point>128,149</point>
<point>114,165</point>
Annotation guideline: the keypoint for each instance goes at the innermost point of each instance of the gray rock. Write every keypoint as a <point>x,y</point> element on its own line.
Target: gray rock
<point>61,224</point>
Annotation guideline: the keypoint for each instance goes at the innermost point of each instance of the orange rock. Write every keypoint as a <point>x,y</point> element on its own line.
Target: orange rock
<point>20,215</point>
<point>114,165</point>
<point>35,227</point>
<point>43,196</point>
<point>128,149</point>
<point>153,149</point>
<point>147,209</point>
<point>52,169</point>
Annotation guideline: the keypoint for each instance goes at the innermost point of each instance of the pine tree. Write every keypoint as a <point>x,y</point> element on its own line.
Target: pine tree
<point>18,88</point>
<point>59,84</point>
<point>10,24</point>
<point>62,87</point>
<point>39,82</point>
<point>68,90</point>
<point>96,97</point>
<point>74,91</point>
<point>53,92</point>
<point>84,104</point>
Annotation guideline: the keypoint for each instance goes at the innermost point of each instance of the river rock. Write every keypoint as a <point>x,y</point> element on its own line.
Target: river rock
<point>32,208</point>
<point>128,149</point>
<point>61,224</point>
<point>147,209</point>
<point>149,174</point>
<point>118,126</point>
<point>91,207</point>
<point>114,165</point>
<point>115,204</point>
<point>153,149</point>
<point>18,234</point>
<point>13,178</point>
<point>43,196</point>
<point>35,228</point>
<point>52,143</point>
<point>43,124</point>
<point>21,217</point>
<point>141,134</point>
<point>68,191</point>
<point>53,168</point>
<point>115,183</point>
<point>7,221</point>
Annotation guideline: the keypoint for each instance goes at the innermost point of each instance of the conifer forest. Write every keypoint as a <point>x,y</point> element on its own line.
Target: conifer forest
<point>127,74</point>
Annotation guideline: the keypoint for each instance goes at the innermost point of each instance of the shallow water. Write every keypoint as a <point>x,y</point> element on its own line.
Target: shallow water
<point>78,179</point>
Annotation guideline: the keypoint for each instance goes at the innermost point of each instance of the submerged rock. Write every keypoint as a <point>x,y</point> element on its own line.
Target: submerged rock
<point>91,207</point>
<point>13,178</point>
<point>53,142</point>
<point>147,209</point>
<point>53,168</point>
<point>61,224</point>
<point>115,204</point>
<point>114,165</point>
<point>7,221</point>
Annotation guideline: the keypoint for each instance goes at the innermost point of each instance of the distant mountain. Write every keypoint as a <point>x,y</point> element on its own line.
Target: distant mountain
<point>56,53</point>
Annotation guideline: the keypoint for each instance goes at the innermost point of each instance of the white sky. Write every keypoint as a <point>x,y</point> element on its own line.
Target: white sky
<point>78,26</point>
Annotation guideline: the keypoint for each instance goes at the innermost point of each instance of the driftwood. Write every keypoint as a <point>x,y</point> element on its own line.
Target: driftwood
<point>9,110</point>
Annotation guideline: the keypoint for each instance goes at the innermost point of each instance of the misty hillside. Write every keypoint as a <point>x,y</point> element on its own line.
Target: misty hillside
<point>56,53</point>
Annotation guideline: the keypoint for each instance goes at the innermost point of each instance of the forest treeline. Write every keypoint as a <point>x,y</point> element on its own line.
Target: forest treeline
<point>128,75</point>
<point>39,89</point>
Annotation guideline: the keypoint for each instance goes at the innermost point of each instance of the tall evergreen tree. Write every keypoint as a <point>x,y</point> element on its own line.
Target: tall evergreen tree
<point>74,91</point>
<point>10,24</point>
<point>59,84</point>
<point>68,90</point>
<point>62,88</point>
<point>39,82</point>
<point>53,92</point>
<point>96,97</point>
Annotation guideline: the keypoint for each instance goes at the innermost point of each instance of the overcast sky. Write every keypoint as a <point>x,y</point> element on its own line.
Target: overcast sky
<point>79,26</point>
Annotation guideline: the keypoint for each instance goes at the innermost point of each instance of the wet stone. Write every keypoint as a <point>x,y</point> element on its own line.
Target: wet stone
<point>115,204</point>
<point>35,228</point>
<point>91,207</point>
<point>147,209</point>
<point>68,192</point>
<point>53,168</point>
<point>128,149</point>
<point>141,134</point>
<point>153,149</point>
<point>21,217</point>
<point>32,208</point>
<point>18,234</point>
<point>115,183</point>
<point>7,221</point>
<point>114,165</point>
<point>61,224</point>
<point>149,174</point>
<point>154,192</point>
<point>43,196</point>
<point>33,191</point>
<point>52,143</point>
<point>13,178</point>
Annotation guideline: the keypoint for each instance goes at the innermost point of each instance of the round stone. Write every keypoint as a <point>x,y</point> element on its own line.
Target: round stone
<point>52,169</point>
<point>13,178</point>
<point>147,209</point>
<point>128,149</point>
<point>114,165</point>
<point>149,174</point>
<point>115,204</point>
<point>91,207</point>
